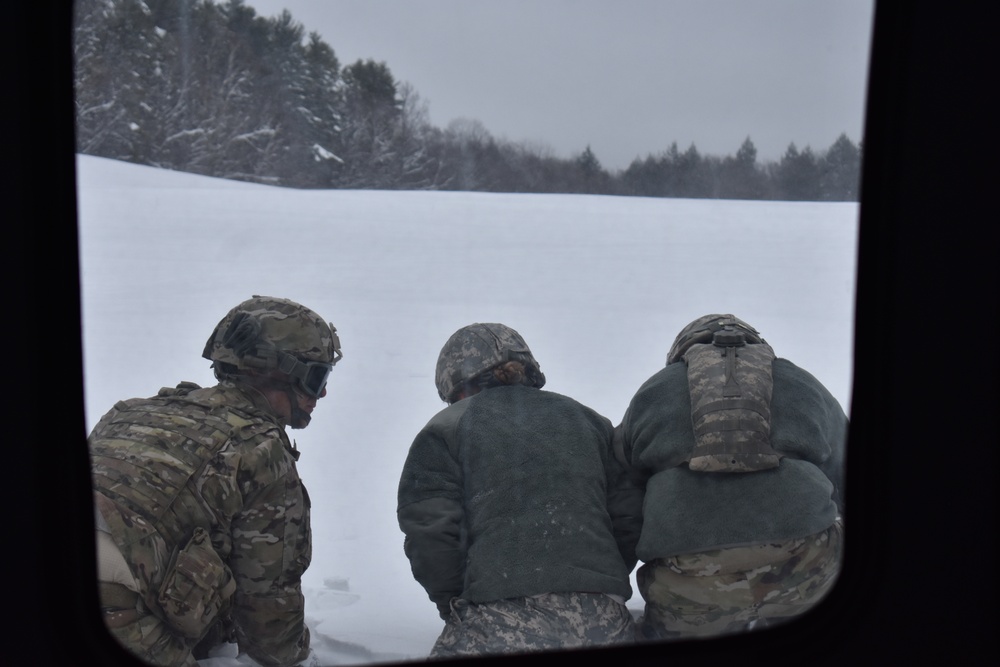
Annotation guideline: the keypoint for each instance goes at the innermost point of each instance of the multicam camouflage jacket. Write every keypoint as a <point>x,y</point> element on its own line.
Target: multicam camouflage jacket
<point>212,459</point>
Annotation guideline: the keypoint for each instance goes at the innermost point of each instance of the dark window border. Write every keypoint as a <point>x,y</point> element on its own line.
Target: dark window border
<point>921,456</point>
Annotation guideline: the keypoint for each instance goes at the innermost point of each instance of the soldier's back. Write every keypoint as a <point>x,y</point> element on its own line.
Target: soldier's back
<point>161,467</point>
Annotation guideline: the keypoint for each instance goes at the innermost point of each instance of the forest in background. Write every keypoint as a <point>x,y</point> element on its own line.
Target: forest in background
<point>215,89</point>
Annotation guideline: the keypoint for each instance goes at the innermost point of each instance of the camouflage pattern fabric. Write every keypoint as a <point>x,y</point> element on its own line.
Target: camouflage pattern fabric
<point>476,348</point>
<point>730,390</point>
<point>734,590</point>
<point>284,325</point>
<point>198,489</point>
<point>536,623</point>
<point>703,329</point>
<point>149,638</point>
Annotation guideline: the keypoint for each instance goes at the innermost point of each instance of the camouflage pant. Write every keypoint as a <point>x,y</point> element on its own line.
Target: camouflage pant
<point>733,590</point>
<point>535,623</point>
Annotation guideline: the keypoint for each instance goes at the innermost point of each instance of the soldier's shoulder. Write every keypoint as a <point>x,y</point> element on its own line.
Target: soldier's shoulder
<point>183,388</point>
<point>224,405</point>
<point>788,373</point>
<point>162,398</point>
<point>668,379</point>
<point>570,406</point>
<point>449,416</point>
<point>187,398</point>
<point>222,397</point>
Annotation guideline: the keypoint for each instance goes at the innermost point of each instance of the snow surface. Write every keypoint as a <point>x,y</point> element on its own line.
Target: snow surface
<point>597,285</point>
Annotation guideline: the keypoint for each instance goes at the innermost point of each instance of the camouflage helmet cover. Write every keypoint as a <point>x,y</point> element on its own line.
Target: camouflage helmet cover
<point>289,326</point>
<point>477,348</point>
<point>702,329</point>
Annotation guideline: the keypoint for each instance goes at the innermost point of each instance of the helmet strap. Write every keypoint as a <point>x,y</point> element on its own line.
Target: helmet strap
<point>257,382</point>
<point>300,418</point>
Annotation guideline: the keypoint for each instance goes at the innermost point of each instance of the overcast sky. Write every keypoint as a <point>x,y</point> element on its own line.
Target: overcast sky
<point>626,77</point>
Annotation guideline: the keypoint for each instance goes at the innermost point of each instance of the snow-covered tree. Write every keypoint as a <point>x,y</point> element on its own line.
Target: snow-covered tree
<point>371,121</point>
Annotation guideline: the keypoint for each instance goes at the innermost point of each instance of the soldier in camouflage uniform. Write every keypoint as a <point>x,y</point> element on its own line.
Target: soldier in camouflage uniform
<point>742,457</point>
<point>519,523</point>
<point>202,520</point>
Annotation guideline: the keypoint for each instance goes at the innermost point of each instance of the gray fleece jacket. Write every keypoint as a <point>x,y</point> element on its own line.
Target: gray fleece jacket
<point>513,492</point>
<point>690,512</point>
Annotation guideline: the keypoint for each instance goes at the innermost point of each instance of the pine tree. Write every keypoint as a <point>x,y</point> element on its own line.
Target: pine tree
<point>796,177</point>
<point>118,71</point>
<point>591,175</point>
<point>372,112</point>
<point>647,178</point>
<point>694,176</point>
<point>322,115</point>
<point>840,171</point>
<point>739,177</point>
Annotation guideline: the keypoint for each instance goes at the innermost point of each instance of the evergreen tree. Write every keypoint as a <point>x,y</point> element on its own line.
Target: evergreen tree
<point>694,177</point>
<point>739,177</point>
<point>226,121</point>
<point>796,177</point>
<point>840,171</point>
<point>372,112</point>
<point>118,59</point>
<point>592,177</point>
<point>320,115</point>
<point>283,143</point>
<point>647,178</point>
<point>669,170</point>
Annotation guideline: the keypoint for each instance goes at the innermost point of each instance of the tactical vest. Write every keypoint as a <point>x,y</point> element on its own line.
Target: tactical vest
<point>730,384</point>
<point>143,453</point>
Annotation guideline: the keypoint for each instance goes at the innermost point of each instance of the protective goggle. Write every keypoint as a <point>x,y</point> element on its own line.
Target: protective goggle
<point>309,376</point>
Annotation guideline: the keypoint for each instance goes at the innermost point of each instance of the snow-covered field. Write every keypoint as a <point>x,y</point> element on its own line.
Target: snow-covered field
<point>598,286</point>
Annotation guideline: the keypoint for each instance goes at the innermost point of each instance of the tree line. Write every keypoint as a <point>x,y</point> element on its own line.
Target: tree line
<point>215,89</point>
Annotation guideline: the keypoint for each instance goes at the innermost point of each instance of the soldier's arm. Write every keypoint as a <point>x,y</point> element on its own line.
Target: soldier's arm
<point>625,494</point>
<point>835,467</point>
<point>271,548</point>
<point>431,516</point>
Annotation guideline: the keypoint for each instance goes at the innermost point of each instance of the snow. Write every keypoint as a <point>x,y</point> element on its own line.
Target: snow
<point>321,153</point>
<point>598,286</point>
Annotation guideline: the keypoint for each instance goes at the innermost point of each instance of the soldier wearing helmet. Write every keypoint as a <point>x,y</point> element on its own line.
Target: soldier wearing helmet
<point>741,454</point>
<point>202,520</point>
<point>519,522</point>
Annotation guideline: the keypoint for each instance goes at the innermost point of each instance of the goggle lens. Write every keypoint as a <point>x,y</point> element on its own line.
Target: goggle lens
<point>315,377</point>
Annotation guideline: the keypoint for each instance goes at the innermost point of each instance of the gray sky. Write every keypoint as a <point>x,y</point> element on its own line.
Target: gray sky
<point>626,77</point>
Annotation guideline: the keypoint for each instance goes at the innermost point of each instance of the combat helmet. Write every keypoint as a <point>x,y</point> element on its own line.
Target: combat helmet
<point>478,348</point>
<point>267,333</point>
<point>702,330</point>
